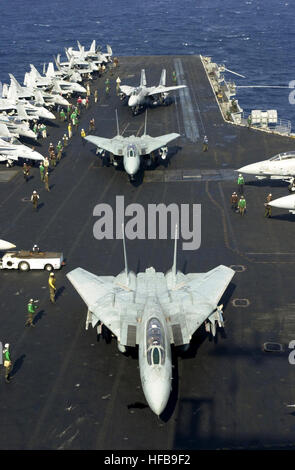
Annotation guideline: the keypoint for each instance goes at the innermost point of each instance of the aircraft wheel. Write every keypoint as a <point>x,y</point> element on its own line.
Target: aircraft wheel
<point>24,266</point>
<point>48,267</point>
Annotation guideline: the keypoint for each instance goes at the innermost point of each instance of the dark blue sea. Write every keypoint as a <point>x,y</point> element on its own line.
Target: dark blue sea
<point>253,37</point>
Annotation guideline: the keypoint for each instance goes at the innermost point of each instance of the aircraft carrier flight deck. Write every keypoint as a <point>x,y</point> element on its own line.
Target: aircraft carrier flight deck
<point>71,391</point>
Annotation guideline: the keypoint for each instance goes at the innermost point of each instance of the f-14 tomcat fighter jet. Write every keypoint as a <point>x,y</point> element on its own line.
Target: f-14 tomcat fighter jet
<point>281,166</point>
<point>154,310</point>
<point>131,150</point>
<point>142,95</point>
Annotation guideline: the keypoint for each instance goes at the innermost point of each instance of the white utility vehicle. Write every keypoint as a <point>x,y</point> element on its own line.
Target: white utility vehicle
<point>26,260</point>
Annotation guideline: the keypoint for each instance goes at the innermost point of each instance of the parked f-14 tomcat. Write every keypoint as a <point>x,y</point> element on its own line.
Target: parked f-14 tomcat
<point>281,166</point>
<point>140,96</point>
<point>154,310</point>
<point>132,150</point>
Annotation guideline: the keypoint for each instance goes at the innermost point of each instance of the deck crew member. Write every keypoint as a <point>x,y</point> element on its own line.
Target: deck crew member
<point>95,96</point>
<point>46,181</point>
<point>42,169</point>
<point>7,363</point>
<point>65,140</point>
<point>52,287</point>
<point>31,312</point>
<point>118,83</point>
<point>242,205</point>
<point>205,144</point>
<point>36,129</point>
<point>92,125</point>
<point>241,183</point>
<point>43,130</point>
<point>53,158</point>
<point>62,115</point>
<point>267,206</point>
<point>34,199</point>
<point>46,165</point>
<point>26,171</point>
<point>69,108</point>
<point>234,201</point>
<point>88,92</point>
<point>107,84</point>
<point>174,78</point>
<point>83,134</point>
<point>70,130</point>
<point>59,149</point>
<point>35,249</point>
<point>249,121</point>
<point>50,148</point>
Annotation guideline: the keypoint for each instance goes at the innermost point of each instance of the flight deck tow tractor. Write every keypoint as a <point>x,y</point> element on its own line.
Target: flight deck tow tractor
<point>26,260</point>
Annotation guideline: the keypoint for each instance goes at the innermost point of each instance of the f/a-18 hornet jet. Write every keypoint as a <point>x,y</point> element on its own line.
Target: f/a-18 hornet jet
<point>132,149</point>
<point>143,95</point>
<point>154,310</point>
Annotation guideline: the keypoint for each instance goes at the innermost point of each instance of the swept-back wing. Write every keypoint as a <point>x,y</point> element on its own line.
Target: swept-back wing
<point>127,90</point>
<point>164,89</point>
<point>114,145</point>
<point>149,144</point>
<point>197,298</point>
<point>108,301</point>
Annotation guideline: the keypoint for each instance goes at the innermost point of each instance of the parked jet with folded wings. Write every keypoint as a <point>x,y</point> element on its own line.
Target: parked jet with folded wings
<point>142,95</point>
<point>11,149</point>
<point>154,310</point>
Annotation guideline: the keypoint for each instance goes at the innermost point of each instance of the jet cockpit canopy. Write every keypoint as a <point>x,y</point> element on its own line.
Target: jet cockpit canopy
<point>155,343</point>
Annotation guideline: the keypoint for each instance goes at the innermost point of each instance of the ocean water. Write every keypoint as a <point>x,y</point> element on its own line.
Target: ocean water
<point>253,37</point>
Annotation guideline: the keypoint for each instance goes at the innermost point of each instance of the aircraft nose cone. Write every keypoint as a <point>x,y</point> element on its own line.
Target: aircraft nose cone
<point>132,101</point>
<point>36,155</point>
<point>47,114</point>
<point>252,169</point>
<point>131,165</point>
<point>286,202</point>
<point>6,245</point>
<point>80,88</point>
<point>157,395</point>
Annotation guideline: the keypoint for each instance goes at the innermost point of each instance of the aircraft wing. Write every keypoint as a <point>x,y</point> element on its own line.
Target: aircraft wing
<point>149,144</point>
<point>114,145</point>
<point>108,301</point>
<point>197,297</point>
<point>127,90</point>
<point>164,89</point>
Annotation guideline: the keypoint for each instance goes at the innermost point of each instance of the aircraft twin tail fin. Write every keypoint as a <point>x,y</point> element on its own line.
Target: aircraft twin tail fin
<point>22,112</point>
<point>12,93</point>
<point>93,46</point>
<point>163,78</point>
<point>142,78</point>
<point>14,82</point>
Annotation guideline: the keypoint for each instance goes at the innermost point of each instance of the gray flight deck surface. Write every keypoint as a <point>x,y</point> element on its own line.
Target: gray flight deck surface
<point>70,391</point>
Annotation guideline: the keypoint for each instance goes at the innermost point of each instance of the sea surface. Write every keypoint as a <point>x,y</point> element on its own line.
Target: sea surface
<point>255,38</point>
